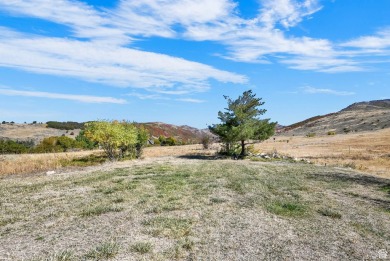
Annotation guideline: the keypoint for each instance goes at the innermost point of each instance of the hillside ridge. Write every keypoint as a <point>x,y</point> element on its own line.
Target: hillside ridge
<point>357,117</point>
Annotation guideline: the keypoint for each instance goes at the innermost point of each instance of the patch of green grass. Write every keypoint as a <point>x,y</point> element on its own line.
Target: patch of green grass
<point>168,226</point>
<point>6,221</point>
<point>65,255</point>
<point>386,188</point>
<point>99,210</point>
<point>118,200</point>
<point>217,200</point>
<point>39,238</point>
<point>286,208</point>
<point>107,191</point>
<point>142,247</point>
<point>171,207</point>
<point>90,160</point>
<point>329,213</point>
<point>237,186</point>
<point>365,228</point>
<point>179,249</point>
<point>104,251</point>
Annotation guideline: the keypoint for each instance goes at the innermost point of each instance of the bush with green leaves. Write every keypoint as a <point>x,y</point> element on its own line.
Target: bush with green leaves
<point>69,125</point>
<point>14,147</point>
<point>56,144</point>
<point>84,142</point>
<point>206,141</point>
<point>117,139</point>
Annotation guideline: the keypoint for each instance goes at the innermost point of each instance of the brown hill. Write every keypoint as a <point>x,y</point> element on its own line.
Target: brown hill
<point>37,132</point>
<point>183,133</point>
<point>361,116</point>
<point>32,132</point>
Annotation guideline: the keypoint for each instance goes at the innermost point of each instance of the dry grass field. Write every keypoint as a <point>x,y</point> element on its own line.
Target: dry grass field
<point>368,152</point>
<point>183,203</point>
<point>169,208</point>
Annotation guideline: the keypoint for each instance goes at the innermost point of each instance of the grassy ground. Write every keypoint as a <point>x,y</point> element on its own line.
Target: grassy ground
<point>363,151</point>
<point>180,208</point>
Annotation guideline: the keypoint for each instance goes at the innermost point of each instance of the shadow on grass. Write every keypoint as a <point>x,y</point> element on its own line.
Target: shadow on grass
<point>202,157</point>
<point>381,184</point>
<point>352,178</point>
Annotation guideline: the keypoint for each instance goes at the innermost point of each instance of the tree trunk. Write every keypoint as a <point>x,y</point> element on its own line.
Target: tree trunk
<point>242,148</point>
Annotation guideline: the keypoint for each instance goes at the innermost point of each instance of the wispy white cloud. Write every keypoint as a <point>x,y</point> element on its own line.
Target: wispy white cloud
<point>72,97</point>
<point>190,100</point>
<point>84,20</point>
<point>142,96</point>
<point>286,12</point>
<point>98,49</point>
<point>312,90</point>
<point>379,41</point>
<point>110,64</point>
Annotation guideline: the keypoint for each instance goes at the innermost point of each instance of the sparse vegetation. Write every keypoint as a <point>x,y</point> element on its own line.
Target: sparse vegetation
<point>180,209</point>
<point>69,125</point>
<point>142,247</point>
<point>327,212</point>
<point>104,251</point>
<point>310,135</point>
<point>206,141</point>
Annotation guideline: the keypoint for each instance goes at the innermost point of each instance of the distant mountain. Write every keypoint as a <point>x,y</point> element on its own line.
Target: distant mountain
<point>360,116</point>
<point>37,132</point>
<point>183,133</point>
<point>370,105</point>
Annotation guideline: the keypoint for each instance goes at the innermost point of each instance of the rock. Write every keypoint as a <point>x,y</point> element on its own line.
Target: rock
<point>50,172</point>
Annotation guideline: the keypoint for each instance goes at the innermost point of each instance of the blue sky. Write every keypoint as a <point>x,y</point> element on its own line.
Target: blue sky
<point>173,60</point>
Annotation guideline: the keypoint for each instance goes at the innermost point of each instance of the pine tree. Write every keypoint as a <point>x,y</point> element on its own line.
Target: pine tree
<point>240,122</point>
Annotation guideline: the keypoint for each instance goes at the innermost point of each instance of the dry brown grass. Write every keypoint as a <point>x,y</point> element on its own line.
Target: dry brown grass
<point>30,163</point>
<point>367,151</point>
<point>170,208</point>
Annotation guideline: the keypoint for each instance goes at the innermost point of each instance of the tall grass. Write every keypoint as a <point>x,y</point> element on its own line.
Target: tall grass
<point>30,163</point>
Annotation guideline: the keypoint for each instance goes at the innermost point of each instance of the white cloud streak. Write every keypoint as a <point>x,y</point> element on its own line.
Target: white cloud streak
<point>114,65</point>
<point>98,47</point>
<point>379,41</point>
<point>72,97</point>
<point>190,100</point>
<point>312,90</point>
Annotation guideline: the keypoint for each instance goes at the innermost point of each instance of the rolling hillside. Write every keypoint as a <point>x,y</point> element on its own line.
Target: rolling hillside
<point>361,116</point>
<point>37,132</point>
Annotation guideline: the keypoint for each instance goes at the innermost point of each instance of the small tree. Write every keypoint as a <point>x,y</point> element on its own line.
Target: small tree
<point>111,136</point>
<point>240,122</point>
<point>142,139</point>
<point>206,141</point>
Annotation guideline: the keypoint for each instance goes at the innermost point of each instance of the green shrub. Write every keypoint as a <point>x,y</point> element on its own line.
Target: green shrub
<point>311,134</point>
<point>346,130</point>
<point>56,144</point>
<point>206,141</point>
<point>331,133</point>
<point>69,125</point>
<point>14,147</point>
<point>157,142</point>
<point>84,142</point>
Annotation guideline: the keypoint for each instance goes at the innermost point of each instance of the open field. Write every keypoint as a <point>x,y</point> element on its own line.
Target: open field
<point>168,208</point>
<point>366,151</point>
